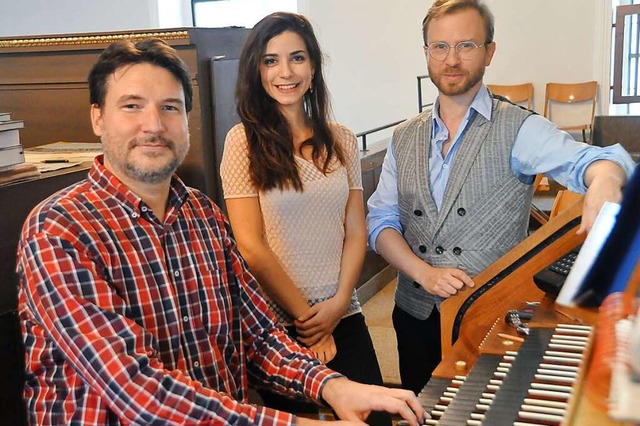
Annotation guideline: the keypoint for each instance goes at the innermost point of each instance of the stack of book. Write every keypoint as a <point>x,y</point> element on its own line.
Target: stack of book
<point>12,161</point>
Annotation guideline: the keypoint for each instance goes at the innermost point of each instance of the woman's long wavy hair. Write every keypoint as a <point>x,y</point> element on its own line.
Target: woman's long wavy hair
<point>271,151</point>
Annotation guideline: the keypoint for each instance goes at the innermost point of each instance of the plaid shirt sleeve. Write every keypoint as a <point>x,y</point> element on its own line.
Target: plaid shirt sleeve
<point>112,354</point>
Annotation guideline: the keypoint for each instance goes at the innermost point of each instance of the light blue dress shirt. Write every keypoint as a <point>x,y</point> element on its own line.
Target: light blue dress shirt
<point>540,147</point>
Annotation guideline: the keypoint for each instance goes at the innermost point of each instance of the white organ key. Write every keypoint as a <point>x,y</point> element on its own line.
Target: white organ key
<point>557,379</point>
<point>556,388</point>
<point>440,407</point>
<point>545,403</point>
<point>561,373</point>
<point>488,395</point>
<point>540,416</point>
<point>561,359</point>
<point>574,327</point>
<point>477,416</point>
<point>559,367</point>
<point>549,394</point>
<point>545,410</point>
<point>446,399</point>
<point>474,423</point>
<point>564,354</point>
<point>450,394</point>
<point>431,422</point>
<point>457,382</point>
<point>437,413</point>
<point>573,340</point>
<point>487,401</point>
<point>567,347</point>
<point>463,378</point>
<point>483,407</point>
<point>575,332</point>
<point>503,369</point>
<point>577,339</point>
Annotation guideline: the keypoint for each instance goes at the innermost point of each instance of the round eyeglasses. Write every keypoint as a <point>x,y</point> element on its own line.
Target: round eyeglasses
<point>439,50</point>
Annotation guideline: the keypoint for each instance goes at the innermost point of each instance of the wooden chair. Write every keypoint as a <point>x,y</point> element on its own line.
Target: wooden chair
<point>517,93</point>
<point>572,93</point>
<point>564,199</point>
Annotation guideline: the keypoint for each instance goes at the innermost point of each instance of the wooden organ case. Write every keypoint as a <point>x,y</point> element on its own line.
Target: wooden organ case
<point>489,374</point>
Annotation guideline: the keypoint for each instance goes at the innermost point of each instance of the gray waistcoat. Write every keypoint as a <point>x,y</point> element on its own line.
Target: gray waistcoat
<point>485,209</point>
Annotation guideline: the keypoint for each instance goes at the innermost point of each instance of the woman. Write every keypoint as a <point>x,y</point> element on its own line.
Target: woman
<point>292,186</point>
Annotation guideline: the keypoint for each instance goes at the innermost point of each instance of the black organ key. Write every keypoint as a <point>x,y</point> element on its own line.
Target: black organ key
<point>466,399</point>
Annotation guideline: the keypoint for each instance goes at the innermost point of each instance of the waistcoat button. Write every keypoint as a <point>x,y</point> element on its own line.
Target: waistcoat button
<point>423,249</point>
<point>417,212</point>
<point>461,211</point>
<point>457,251</point>
<point>439,250</point>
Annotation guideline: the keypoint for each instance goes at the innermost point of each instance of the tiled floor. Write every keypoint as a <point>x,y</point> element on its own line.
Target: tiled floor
<point>377,312</point>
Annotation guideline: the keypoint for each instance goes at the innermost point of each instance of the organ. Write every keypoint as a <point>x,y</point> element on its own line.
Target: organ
<point>492,375</point>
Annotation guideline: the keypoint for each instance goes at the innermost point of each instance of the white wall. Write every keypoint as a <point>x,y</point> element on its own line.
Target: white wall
<point>544,41</point>
<point>374,55</point>
<point>374,47</point>
<point>31,17</point>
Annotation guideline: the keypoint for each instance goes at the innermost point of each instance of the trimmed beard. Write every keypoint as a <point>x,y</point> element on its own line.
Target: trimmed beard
<point>447,90</point>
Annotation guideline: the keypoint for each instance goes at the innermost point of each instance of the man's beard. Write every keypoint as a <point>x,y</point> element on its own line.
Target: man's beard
<point>454,90</point>
<point>149,176</point>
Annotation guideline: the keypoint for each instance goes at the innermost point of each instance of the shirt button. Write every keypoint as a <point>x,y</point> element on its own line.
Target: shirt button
<point>439,250</point>
<point>196,364</point>
<point>416,285</point>
<point>423,249</point>
<point>185,318</point>
<point>461,211</point>
<point>176,273</point>
<point>144,209</point>
<point>134,215</point>
<point>445,166</point>
<point>417,212</point>
<point>457,251</point>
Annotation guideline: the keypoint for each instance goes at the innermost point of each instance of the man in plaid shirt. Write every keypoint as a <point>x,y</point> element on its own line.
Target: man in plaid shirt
<point>135,306</point>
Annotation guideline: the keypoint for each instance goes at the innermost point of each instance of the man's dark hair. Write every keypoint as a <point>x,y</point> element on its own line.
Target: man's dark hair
<point>125,52</point>
<point>269,138</point>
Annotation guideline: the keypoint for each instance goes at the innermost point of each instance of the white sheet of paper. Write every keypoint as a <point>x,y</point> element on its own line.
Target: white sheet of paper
<point>590,248</point>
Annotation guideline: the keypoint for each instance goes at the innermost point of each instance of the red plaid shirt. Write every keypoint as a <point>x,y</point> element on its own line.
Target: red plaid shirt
<point>129,320</point>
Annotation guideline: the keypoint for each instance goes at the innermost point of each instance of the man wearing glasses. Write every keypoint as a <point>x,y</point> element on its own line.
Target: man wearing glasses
<point>456,184</point>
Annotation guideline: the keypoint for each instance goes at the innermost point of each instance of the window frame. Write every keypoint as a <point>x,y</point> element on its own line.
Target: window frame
<point>622,12</point>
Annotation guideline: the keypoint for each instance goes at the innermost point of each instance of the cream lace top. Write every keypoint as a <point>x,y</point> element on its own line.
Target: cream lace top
<point>304,229</point>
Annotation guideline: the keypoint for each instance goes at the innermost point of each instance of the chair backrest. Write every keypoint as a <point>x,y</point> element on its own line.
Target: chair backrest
<point>516,93</point>
<point>572,93</point>
<point>564,199</point>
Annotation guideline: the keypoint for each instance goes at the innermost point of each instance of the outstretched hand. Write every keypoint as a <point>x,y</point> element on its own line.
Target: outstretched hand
<point>354,401</point>
<point>602,189</point>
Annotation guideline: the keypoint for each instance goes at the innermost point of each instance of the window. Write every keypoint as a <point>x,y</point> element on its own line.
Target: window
<point>626,56</point>
<point>238,13</point>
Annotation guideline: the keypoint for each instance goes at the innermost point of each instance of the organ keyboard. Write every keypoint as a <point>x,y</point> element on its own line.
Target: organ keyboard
<point>486,379</point>
<point>533,385</point>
